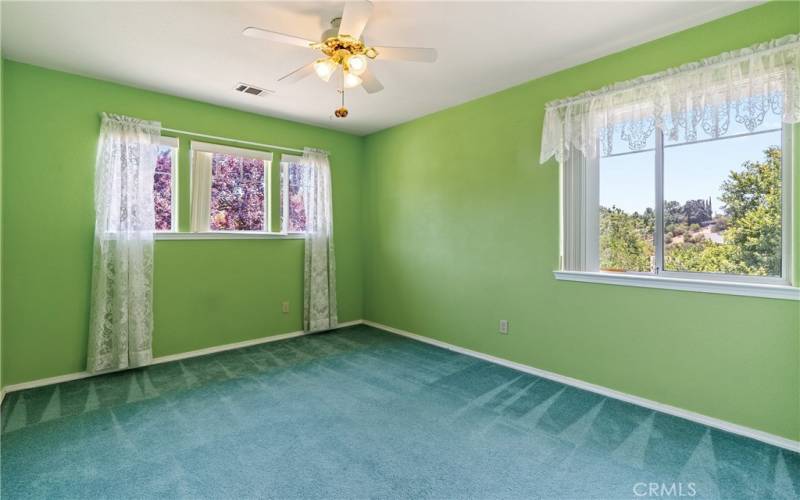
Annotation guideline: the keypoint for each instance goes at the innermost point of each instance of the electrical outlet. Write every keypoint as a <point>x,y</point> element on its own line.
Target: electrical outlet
<point>285,307</point>
<point>504,326</point>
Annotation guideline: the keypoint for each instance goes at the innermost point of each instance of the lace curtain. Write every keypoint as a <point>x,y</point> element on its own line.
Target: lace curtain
<point>121,321</point>
<point>707,97</point>
<point>319,301</point>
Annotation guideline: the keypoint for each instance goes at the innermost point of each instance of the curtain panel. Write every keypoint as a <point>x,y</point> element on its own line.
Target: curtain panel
<point>121,317</point>
<point>319,290</point>
<point>705,97</point>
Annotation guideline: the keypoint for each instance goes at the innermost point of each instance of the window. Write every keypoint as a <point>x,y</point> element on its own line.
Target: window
<point>627,210</point>
<point>233,192</point>
<point>293,207</point>
<point>682,179</point>
<point>164,178</point>
<point>230,189</point>
<point>723,204</point>
<point>723,211</point>
<point>237,193</point>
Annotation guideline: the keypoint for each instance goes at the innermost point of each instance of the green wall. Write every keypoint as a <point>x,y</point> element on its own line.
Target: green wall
<point>206,293</point>
<point>461,226</point>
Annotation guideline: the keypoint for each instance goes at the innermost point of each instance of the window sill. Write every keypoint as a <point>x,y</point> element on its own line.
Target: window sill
<point>692,285</point>
<point>227,235</point>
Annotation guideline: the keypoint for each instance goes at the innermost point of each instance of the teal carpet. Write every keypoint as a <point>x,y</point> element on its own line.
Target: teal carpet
<point>360,413</point>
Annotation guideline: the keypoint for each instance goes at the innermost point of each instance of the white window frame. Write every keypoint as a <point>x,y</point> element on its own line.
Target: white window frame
<point>760,286</point>
<point>266,156</point>
<point>174,144</point>
<point>285,161</point>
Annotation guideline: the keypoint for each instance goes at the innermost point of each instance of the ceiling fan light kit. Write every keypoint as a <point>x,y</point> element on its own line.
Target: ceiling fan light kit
<point>343,47</point>
<point>325,68</point>
<point>357,64</point>
<point>350,80</point>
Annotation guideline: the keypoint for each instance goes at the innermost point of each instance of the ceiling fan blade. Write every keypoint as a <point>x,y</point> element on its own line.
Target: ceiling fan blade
<point>274,36</point>
<point>370,83</point>
<point>354,18</point>
<point>416,54</point>
<point>298,74</point>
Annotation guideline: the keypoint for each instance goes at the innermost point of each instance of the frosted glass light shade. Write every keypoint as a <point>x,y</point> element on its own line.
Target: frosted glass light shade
<point>357,64</point>
<point>351,80</point>
<point>325,68</point>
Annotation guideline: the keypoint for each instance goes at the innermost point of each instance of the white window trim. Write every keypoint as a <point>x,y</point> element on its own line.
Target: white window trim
<point>207,147</point>
<point>784,292</point>
<point>756,286</point>
<point>168,141</point>
<point>228,235</point>
<point>284,195</point>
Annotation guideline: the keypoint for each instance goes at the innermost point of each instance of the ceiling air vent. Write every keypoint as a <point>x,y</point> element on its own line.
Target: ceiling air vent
<point>252,90</point>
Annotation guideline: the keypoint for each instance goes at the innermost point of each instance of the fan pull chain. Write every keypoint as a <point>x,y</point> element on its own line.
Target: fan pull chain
<point>341,112</point>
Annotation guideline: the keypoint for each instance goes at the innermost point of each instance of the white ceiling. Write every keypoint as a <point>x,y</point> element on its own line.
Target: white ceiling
<point>196,50</point>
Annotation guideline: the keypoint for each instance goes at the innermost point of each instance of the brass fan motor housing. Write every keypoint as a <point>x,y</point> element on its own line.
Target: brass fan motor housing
<point>339,48</point>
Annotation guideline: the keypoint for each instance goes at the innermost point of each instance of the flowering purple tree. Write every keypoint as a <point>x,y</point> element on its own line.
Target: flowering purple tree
<point>237,193</point>
<point>162,190</point>
<point>297,210</point>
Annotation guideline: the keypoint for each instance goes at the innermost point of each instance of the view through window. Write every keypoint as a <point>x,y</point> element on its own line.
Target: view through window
<point>162,188</point>
<point>237,193</point>
<point>722,208</point>
<point>627,209</point>
<point>292,187</point>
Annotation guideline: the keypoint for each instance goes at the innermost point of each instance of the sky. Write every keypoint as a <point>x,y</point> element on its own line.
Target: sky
<point>691,171</point>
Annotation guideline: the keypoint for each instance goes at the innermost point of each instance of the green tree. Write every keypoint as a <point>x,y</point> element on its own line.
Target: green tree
<point>697,211</point>
<point>673,213</point>
<point>624,243</point>
<point>704,257</point>
<point>752,202</point>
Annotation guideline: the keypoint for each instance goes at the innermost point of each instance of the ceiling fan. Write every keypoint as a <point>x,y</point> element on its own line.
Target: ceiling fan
<point>342,46</point>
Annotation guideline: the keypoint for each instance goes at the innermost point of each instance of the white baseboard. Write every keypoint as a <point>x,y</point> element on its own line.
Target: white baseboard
<point>605,391</point>
<point>741,430</point>
<point>166,359</point>
<point>225,347</point>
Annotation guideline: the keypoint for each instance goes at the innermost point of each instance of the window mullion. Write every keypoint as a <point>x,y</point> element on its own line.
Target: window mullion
<point>788,204</point>
<point>658,236</point>
<point>174,183</point>
<point>276,194</point>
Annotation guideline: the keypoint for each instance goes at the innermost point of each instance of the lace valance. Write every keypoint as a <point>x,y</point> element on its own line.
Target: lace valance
<point>732,91</point>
